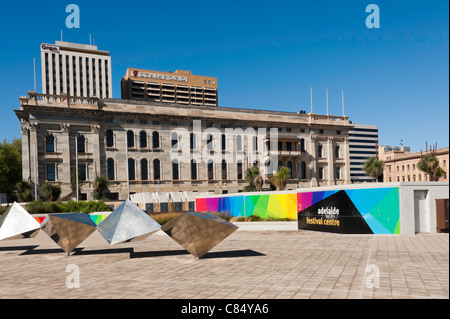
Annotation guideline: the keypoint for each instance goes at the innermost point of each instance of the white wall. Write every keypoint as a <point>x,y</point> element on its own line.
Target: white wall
<point>436,190</point>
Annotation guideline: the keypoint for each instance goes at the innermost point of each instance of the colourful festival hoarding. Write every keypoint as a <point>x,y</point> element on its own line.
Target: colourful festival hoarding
<point>264,205</point>
<point>374,210</point>
<point>351,211</point>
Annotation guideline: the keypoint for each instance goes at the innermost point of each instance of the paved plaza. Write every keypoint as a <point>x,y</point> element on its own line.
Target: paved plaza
<point>251,263</point>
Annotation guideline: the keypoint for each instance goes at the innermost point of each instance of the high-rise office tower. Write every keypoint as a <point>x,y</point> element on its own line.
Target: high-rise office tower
<point>74,69</point>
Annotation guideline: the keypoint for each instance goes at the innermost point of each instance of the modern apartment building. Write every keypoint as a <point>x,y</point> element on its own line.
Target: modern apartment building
<point>363,143</point>
<point>181,87</point>
<point>77,70</point>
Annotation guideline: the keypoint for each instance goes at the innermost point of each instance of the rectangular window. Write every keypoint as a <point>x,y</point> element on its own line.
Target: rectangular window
<point>239,170</point>
<point>175,170</point>
<point>51,172</point>
<point>320,172</point>
<point>82,172</point>
<point>193,170</point>
<point>337,173</point>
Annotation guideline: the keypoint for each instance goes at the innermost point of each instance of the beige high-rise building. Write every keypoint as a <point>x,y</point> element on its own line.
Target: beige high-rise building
<point>73,69</point>
<point>400,165</point>
<point>181,87</point>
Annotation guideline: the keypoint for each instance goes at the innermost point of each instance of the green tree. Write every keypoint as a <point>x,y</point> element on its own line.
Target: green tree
<point>279,178</point>
<point>101,184</point>
<point>10,165</point>
<point>250,176</point>
<point>24,193</point>
<point>374,167</point>
<point>429,164</point>
<point>50,192</point>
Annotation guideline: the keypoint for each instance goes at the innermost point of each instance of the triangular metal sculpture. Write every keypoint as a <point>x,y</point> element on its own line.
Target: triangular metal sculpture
<point>17,223</point>
<point>198,232</point>
<point>127,223</point>
<point>68,230</point>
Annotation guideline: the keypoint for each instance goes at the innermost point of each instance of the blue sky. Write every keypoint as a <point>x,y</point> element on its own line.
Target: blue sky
<point>265,54</point>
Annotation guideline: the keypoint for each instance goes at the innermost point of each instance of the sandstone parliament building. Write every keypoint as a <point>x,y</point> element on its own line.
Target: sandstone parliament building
<point>133,141</point>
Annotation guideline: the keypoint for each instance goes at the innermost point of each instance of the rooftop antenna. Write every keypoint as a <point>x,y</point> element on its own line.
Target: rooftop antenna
<point>343,113</point>
<point>90,39</point>
<point>34,68</point>
<point>311,101</point>
<point>327,100</point>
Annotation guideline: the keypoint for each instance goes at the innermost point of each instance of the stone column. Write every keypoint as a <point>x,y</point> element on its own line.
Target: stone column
<point>26,159</point>
<point>64,149</point>
<point>95,138</point>
<point>313,160</point>
<point>346,172</point>
<point>330,154</point>
<point>34,152</point>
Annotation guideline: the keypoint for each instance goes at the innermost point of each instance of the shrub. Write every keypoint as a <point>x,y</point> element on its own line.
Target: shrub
<point>252,218</point>
<point>225,215</point>
<point>48,207</point>
<point>162,218</point>
<point>36,207</point>
<point>84,207</point>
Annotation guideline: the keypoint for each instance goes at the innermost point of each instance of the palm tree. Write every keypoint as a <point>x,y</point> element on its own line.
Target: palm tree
<point>258,182</point>
<point>374,167</point>
<point>279,178</point>
<point>101,184</point>
<point>50,192</point>
<point>429,164</point>
<point>250,175</point>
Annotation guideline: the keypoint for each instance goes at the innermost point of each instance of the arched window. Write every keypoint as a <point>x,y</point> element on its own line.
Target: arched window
<point>109,138</point>
<point>131,169</point>
<point>289,165</point>
<point>224,169</point>
<point>255,143</point>
<point>143,139</point>
<point>193,141</point>
<point>238,143</point>
<point>337,150</point>
<point>174,139</point>
<point>193,170</point>
<point>210,169</point>
<point>320,151</point>
<point>280,164</point>
<point>156,170</point>
<point>224,142</point>
<point>81,144</point>
<point>209,142</point>
<point>175,170</point>
<point>50,144</point>
<point>155,139</point>
<point>144,169</point>
<point>130,139</point>
<point>110,169</point>
<point>303,168</point>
